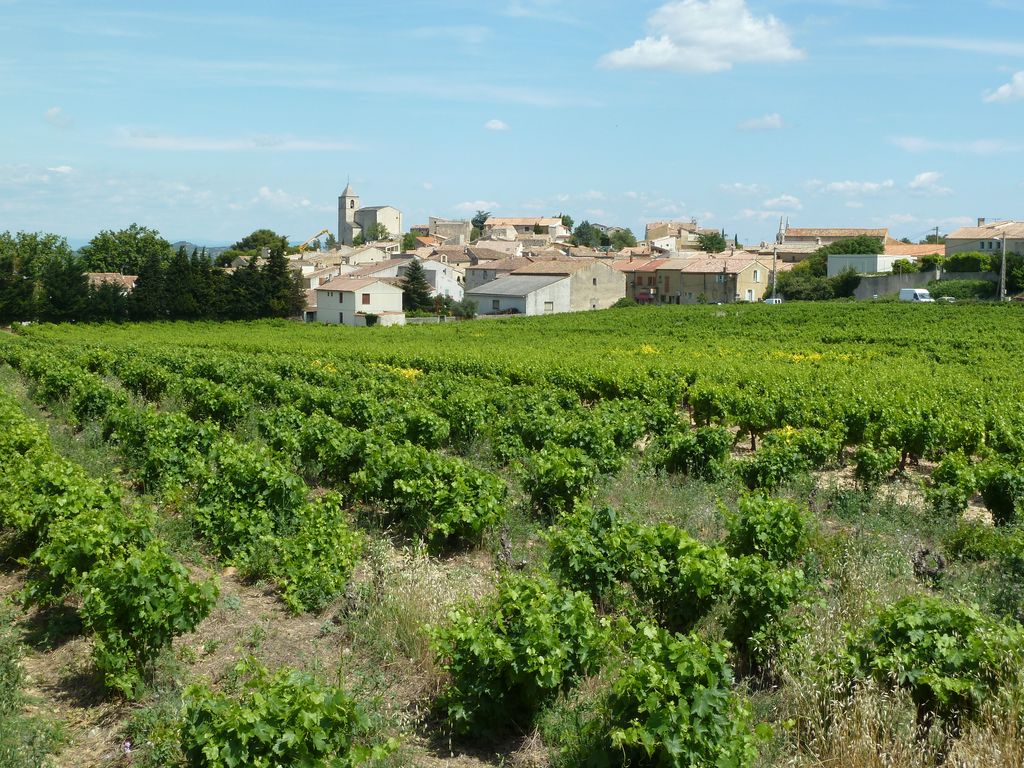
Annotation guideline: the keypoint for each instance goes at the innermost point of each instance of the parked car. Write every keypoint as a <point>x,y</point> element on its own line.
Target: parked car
<point>773,300</point>
<point>916,294</point>
<point>947,299</point>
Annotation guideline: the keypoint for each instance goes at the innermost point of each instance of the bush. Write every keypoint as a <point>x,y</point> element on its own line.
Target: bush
<point>439,498</point>
<point>1002,488</point>
<point>672,704</point>
<point>313,565</point>
<point>509,656</point>
<point>963,290</point>
<point>246,495</point>
<point>772,465</point>
<point>701,452</point>
<point>762,592</point>
<point>678,577</point>
<point>819,449</point>
<point>136,606</point>
<point>557,478</point>
<point>288,718</point>
<point>968,262</point>
<point>952,485</point>
<point>872,465</point>
<point>978,542</point>
<point>951,658</point>
<point>681,577</point>
<point>775,529</point>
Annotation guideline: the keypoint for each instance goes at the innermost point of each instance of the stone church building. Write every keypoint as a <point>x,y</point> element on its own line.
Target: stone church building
<point>354,221</point>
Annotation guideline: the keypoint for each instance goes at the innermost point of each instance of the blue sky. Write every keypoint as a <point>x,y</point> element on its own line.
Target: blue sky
<point>207,120</point>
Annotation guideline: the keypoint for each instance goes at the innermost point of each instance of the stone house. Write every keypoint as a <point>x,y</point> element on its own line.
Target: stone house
<point>713,279</point>
<point>987,237</point>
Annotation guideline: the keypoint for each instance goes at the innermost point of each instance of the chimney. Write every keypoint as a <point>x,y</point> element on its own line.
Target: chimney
<point>981,221</point>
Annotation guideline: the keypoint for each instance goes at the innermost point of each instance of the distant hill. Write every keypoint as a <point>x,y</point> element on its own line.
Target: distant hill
<point>213,251</point>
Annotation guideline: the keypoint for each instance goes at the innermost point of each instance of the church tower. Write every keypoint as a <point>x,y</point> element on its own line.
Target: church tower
<point>348,204</point>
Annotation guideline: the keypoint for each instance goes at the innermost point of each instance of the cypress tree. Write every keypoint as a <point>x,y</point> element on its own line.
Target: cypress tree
<point>417,289</point>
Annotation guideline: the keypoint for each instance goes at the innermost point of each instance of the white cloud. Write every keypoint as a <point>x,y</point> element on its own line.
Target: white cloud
<point>901,218</point>
<point>592,194</point>
<point>496,125</point>
<point>772,122</point>
<point>477,205</point>
<point>543,10</point>
<point>427,185</point>
<point>760,215</point>
<point>280,199</point>
<point>849,187</point>
<point>961,44</point>
<point>854,204</point>
<point>928,183</point>
<point>58,118</point>
<point>742,189</point>
<point>784,203</point>
<point>969,147</point>
<point>711,36</point>
<point>1011,91</point>
<point>142,139</point>
<point>62,169</point>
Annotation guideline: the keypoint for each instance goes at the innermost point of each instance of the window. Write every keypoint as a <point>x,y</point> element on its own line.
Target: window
<point>757,276</point>
<point>549,306</point>
<point>366,298</point>
<point>720,279</point>
<point>496,304</point>
<point>595,281</point>
<point>351,203</point>
<point>341,318</point>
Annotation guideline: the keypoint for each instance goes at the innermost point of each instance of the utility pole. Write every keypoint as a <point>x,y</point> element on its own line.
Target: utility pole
<point>936,235</point>
<point>1002,272</point>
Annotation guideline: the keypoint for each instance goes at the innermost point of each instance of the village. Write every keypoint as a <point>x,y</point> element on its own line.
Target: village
<point>515,266</point>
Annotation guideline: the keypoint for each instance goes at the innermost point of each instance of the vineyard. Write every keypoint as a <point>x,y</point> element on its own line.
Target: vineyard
<point>683,536</point>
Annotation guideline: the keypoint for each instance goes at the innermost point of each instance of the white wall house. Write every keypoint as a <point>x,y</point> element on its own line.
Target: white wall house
<point>444,279</point>
<point>523,295</point>
<point>348,301</point>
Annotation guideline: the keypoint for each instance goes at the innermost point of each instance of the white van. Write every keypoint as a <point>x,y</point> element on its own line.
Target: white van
<point>915,294</point>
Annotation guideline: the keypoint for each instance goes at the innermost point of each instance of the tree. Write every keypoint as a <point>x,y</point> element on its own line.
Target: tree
<point>107,301</point>
<point>623,238</point>
<point>566,220</point>
<point>282,288</point>
<point>845,283</point>
<point>711,242</point>
<point>330,242</point>
<point>587,235</point>
<point>358,241</point>
<point>63,287</point>
<point>180,288</point>
<point>262,238</point>
<point>466,309</point>
<point>480,219</point>
<point>149,299</point>
<point>124,251</point>
<point>22,257</point>
<point>376,232</point>
<point>934,240</point>
<point>409,242</point>
<point>903,266</point>
<point>417,289</point>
